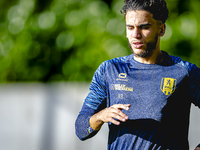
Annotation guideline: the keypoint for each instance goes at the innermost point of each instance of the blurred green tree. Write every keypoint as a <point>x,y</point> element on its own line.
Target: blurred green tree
<point>66,40</point>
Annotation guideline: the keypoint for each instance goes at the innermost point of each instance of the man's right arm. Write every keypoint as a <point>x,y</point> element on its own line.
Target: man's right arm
<point>94,103</point>
<point>82,125</point>
<point>88,123</point>
<point>94,112</point>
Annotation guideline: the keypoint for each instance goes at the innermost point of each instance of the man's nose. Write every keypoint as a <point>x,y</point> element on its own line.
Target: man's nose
<point>136,33</point>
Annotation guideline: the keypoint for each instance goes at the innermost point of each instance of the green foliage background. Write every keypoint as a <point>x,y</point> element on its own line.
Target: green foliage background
<point>66,40</point>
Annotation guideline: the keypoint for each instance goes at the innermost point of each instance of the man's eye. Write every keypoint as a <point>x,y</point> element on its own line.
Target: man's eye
<point>130,28</point>
<point>145,27</point>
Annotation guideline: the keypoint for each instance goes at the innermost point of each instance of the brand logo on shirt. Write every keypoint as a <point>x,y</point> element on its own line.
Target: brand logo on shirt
<point>122,77</point>
<point>121,87</point>
<point>168,85</point>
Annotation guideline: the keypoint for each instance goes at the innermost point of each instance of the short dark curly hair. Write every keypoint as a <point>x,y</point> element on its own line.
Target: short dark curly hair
<point>157,7</point>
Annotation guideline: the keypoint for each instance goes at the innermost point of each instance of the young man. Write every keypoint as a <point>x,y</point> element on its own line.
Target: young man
<point>145,97</point>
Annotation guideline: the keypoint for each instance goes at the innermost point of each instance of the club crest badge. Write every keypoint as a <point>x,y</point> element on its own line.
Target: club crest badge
<point>168,85</point>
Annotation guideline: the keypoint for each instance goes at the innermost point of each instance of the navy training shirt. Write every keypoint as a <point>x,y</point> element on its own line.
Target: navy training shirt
<point>160,98</point>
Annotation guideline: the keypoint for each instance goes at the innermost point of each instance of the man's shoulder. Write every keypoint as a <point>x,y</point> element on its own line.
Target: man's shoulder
<point>118,60</point>
<point>179,62</point>
<point>171,58</point>
<point>108,64</point>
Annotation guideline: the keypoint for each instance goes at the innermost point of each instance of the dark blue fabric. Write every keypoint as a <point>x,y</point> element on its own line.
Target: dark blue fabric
<point>160,96</point>
<point>198,145</point>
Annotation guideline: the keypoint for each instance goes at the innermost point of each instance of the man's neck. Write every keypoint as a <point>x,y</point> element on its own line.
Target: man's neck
<point>155,58</point>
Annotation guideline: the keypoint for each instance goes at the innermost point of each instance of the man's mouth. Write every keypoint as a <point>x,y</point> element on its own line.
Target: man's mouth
<point>138,45</point>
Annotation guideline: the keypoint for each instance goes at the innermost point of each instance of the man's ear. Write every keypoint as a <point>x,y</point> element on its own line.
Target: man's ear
<point>162,29</point>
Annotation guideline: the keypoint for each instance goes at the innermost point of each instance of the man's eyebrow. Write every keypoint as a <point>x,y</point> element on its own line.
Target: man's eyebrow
<point>140,25</point>
<point>145,24</point>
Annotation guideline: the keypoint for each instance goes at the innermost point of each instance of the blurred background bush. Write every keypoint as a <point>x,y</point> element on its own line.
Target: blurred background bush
<point>66,40</point>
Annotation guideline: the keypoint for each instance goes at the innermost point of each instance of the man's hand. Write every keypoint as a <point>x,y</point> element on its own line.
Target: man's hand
<point>197,148</point>
<point>115,111</point>
<point>108,115</point>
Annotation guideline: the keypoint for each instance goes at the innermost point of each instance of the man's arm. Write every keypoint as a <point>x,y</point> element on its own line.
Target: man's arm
<point>195,87</point>
<point>94,103</point>
<point>94,112</point>
<point>88,123</point>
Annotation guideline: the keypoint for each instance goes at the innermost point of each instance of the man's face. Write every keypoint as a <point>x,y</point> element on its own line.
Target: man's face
<point>143,32</point>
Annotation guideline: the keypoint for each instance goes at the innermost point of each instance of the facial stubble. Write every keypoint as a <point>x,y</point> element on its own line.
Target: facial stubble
<point>151,46</point>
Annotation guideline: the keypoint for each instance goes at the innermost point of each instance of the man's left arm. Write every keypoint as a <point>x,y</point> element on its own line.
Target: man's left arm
<point>194,73</point>
<point>195,87</point>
